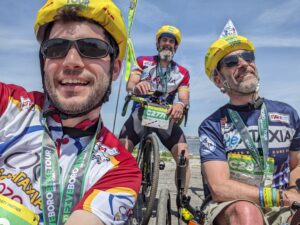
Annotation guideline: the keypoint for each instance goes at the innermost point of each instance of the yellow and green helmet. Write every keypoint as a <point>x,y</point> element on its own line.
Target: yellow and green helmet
<point>104,12</point>
<point>169,30</point>
<point>223,46</point>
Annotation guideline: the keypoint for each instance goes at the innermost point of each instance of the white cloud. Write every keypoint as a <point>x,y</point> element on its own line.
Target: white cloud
<point>280,14</point>
<point>152,14</point>
<point>15,41</point>
<point>271,41</point>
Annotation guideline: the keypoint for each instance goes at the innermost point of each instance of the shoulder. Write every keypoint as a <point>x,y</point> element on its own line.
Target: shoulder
<point>120,152</point>
<point>278,106</point>
<point>19,96</point>
<point>141,59</point>
<point>215,119</point>
<point>181,69</point>
<point>281,112</point>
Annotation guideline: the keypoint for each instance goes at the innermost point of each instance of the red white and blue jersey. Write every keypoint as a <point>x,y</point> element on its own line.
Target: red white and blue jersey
<point>112,180</point>
<point>178,79</point>
<point>218,136</point>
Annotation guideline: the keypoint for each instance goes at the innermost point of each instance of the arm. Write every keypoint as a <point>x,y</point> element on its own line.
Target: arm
<point>222,188</point>
<point>80,217</point>
<point>295,167</point>
<point>136,86</point>
<point>293,195</point>
<point>177,109</point>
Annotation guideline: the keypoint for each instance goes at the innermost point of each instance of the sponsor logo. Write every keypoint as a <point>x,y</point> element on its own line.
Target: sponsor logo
<point>277,117</point>
<point>223,121</point>
<point>207,146</point>
<point>231,140</point>
<point>103,153</point>
<point>279,137</point>
<point>123,214</point>
<point>147,63</point>
<point>26,103</point>
<point>22,180</point>
<point>81,2</point>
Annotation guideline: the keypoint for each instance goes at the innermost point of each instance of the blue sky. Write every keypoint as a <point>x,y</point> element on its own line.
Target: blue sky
<point>272,25</point>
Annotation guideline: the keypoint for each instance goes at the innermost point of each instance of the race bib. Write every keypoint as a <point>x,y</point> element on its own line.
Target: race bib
<point>12,212</point>
<point>156,117</point>
<point>244,168</point>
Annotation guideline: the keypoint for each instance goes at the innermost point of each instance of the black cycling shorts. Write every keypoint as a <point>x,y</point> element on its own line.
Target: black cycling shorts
<point>133,130</point>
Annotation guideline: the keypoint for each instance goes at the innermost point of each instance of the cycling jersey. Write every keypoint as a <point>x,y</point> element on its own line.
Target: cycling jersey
<point>219,137</point>
<point>112,180</point>
<point>178,77</point>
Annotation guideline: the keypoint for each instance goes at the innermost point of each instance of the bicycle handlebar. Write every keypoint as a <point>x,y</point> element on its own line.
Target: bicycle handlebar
<point>156,99</point>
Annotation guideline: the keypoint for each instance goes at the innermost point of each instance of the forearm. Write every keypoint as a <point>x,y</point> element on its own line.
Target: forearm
<point>295,168</point>
<point>134,79</point>
<point>295,174</point>
<point>184,97</point>
<point>130,86</point>
<point>231,190</point>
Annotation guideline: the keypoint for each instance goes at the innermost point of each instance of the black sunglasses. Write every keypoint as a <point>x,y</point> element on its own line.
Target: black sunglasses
<point>87,47</point>
<point>233,60</point>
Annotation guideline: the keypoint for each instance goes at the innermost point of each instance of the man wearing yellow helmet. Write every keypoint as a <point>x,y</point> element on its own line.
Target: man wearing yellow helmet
<point>250,147</point>
<point>59,164</point>
<point>160,73</point>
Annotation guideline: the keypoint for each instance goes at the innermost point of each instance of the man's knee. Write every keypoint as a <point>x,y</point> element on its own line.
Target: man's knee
<point>178,148</point>
<point>242,213</point>
<point>128,144</point>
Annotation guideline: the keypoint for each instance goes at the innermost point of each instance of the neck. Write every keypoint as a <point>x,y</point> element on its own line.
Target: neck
<point>243,99</point>
<point>72,122</point>
<point>164,63</point>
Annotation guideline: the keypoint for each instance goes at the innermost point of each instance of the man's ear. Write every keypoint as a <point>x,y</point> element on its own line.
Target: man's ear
<point>217,80</point>
<point>116,69</point>
<point>157,45</point>
<point>175,48</point>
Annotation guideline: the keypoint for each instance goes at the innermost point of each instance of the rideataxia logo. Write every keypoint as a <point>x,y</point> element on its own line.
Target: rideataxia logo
<point>279,137</point>
<point>22,180</point>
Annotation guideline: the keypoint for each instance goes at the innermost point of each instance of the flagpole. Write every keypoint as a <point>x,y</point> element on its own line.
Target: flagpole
<point>129,49</point>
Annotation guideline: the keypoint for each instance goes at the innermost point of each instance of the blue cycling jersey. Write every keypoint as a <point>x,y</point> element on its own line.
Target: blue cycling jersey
<point>219,137</point>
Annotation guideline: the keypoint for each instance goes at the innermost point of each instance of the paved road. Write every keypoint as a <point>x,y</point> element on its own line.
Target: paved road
<point>166,180</point>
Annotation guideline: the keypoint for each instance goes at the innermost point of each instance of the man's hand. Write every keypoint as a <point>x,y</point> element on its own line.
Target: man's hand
<point>142,88</point>
<point>176,112</point>
<point>289,197</point>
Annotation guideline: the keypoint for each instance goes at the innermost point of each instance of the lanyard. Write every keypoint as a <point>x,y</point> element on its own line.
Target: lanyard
<point>163,76</point>
<point>263,127</point>
<point>59,200</point>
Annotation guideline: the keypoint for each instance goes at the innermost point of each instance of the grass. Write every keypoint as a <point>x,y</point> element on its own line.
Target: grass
<point>165,155</point>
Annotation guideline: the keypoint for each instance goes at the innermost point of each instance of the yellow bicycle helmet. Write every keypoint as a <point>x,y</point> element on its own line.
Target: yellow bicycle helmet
<point>222,47</point>
<point>167,29</point>
<point>104,12</point>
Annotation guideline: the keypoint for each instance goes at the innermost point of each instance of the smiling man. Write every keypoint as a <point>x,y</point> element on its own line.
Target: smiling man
<point>59,164</point>
<point>160,73</point>
<point>249,147</point>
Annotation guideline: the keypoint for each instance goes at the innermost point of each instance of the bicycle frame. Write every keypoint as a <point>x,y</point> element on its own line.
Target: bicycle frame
<point>183,202</point>
<point>143,156</point>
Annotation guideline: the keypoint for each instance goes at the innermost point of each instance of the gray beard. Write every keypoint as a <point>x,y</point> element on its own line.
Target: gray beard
<point>250,88</point>
<point>166,55</point>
